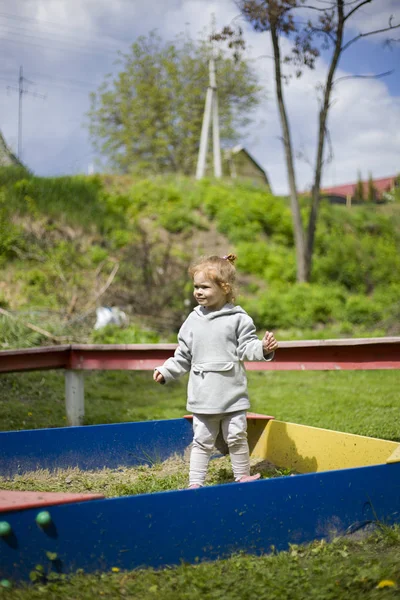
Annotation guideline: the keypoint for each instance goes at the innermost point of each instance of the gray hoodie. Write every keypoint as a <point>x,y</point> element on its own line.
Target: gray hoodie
<point>213,346</point>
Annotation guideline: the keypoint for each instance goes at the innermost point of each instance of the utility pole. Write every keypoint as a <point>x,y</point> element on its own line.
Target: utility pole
<point>20,94</point>
<point>21,91</point>
<point>210,111</point>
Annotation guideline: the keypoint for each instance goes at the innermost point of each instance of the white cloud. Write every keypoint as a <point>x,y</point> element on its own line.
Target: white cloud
<point>196,15</point>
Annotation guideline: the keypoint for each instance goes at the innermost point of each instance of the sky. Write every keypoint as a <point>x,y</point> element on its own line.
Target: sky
<point>66,47</point>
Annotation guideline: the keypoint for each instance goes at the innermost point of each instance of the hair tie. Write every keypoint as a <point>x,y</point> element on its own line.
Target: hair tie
<point>230,257</point>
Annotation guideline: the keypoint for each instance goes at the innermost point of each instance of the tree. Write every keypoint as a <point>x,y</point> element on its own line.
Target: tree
<point>359,189</point>
<point>326,25</point>
<point>371,193</point>
<point>148,118</point>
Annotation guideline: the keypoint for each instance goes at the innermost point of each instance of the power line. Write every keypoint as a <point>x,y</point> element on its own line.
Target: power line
<point>6,80</point>
<point>58,78</point>
<point>68,38</point>
<point>83,87</point>
<point>67,87</point>
<point>66,80</point>
<point>12,41</point>
<point>33,20</point>
<point>65,45</point>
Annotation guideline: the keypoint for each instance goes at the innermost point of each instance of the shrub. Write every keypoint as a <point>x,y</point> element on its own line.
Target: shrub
<point>111,334</point>
<point>359,249</point>
<point>98,254</point>
<point>9,233</point>
<point>271,261</point>
<point>162,202</point>
<point>253,256</point>
<point>243,212</point>
<point>14,334</point>
<point>3,301</point>
<point>76,199</point>
<point>13,173</point>
<point>299,305</point>
<point>361,310</point>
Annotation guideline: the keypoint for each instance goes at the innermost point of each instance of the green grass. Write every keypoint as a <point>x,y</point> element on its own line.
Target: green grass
<point>171,474</point>
<point>362,402</point>
<point>342,570</point>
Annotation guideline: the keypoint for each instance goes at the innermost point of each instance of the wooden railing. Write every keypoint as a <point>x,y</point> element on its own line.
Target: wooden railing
<point>348,354</point>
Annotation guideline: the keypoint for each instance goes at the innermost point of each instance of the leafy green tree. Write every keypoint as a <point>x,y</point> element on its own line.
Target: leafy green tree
<point>148,118</point>
<point>359,190</point>
<point>371,192</point>
<point>396,192</point>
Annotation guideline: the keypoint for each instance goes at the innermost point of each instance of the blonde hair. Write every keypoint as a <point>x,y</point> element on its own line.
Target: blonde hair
<point>220,270</point>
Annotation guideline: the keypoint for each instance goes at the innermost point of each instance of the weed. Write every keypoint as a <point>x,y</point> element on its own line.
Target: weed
<point>341,570</point>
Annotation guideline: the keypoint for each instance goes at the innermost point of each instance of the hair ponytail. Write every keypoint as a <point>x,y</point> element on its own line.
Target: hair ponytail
<point>231,258</point>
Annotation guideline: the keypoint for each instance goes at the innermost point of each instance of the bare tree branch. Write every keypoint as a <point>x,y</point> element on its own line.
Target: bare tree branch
<point>377,76</point>
<point>301,155</point>
<point>320,30</point>
<point>105,286</point>
<point>311,7</point>
<point>362,35</point>
<point>391,41</point>
<point>353,10</point>
<point>264,56</point>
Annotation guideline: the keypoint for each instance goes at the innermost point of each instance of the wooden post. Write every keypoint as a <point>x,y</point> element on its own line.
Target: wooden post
<point>215,122</point>
<point>201,162</point>
<point>74,397</point>
<point>348,200</point>
<point>210,112</point>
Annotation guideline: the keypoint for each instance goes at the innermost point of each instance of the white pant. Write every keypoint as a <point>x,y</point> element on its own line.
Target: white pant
<point>206,429</point>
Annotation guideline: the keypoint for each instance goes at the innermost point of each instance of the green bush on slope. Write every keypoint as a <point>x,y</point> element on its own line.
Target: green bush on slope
<point>61,238</point>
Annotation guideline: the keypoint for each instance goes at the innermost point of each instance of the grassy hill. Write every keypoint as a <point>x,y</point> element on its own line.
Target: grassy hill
<point>69,244</point>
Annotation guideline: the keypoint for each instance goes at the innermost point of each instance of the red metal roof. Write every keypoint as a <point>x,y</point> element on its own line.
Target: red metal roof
<point>381,185</point>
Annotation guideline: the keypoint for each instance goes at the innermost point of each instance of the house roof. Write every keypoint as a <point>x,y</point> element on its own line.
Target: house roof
<point>238,148</point>
<point>381,185</point>
<point>6,156</point>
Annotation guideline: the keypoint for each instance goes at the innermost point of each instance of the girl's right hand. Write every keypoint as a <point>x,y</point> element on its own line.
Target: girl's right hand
<point>158,377</point>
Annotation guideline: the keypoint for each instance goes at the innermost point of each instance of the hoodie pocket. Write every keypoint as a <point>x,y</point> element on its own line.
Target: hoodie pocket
<point>213,367</point>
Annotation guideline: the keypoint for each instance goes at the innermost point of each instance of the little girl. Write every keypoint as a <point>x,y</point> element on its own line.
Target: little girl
<point>213,342</point>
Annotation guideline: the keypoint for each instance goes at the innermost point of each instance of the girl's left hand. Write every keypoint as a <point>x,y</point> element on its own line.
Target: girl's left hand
<point>269,342</point>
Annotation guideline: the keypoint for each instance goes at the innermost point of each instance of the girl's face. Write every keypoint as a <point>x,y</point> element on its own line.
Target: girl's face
<point>207,293</point>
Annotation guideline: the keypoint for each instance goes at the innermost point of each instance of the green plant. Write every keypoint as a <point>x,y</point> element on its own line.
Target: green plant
<point>362,310</point>
<point>134,334</point>
<point>299,305</point>
<point>14,334</point>
<point>12,174</point>
<point>10,233</point>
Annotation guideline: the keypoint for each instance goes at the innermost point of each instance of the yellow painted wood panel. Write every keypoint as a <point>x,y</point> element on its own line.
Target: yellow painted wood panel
<point>395,456</point>
<point>310,449</point>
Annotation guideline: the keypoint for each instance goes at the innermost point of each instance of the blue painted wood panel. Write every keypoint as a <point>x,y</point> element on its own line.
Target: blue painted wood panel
<point>93,447</point>
<point>190,525</point>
